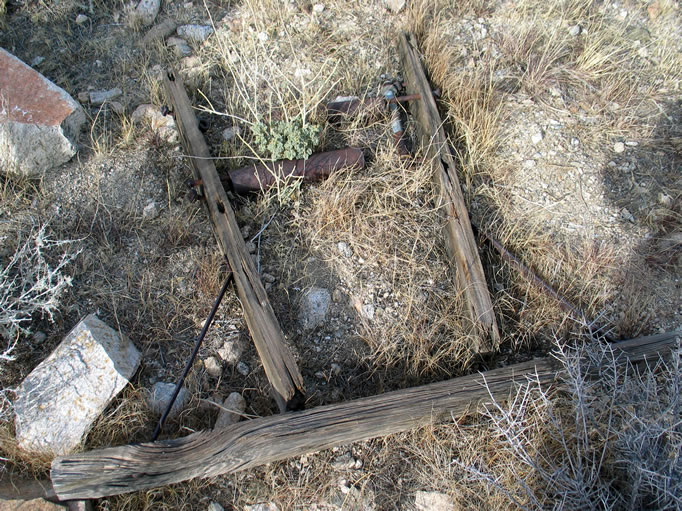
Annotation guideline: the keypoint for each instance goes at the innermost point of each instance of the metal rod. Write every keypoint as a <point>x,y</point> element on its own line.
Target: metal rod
<point>190,362</point>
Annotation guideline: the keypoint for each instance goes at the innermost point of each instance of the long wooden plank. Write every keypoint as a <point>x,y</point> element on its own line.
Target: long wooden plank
<point>461,243</point>
<point>278,361</point>
<point>255,442</point>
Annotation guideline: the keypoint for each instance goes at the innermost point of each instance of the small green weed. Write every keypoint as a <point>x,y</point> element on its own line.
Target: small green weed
<point>288,140</point>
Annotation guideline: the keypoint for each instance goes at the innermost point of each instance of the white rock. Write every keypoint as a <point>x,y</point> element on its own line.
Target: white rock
<point>336,369</point>
<point>368,311</point>
<point>146,11</point>
<point>58,402</point>
<point>263,506</point>
<point>160,396</point>
<point>618,147</point>
<point>318,8</point>
<point>39,122</point>
<point>213,367</point>
<point>81,19</point>
<point>180,46</point>
<point>302,72</point>
<point>37,61</point>
<point>231,413</point>
<point>262,37</point>
<point>150,211</point>
<point>345,462</point>
<point>214,506</point>
<point>99,97</point>
<point>231,351</point>
<point>196,33</point>
<point>243,368</point>
<point>314,308</point>
<point>536,138</point>
<point>163,125</point>
<point>344,249</point>
<point>395,5</point>
<point>433,501</point>
<point>574,30</point>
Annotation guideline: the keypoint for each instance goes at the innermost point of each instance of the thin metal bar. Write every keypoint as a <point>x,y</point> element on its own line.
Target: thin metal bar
<point>188,366</point>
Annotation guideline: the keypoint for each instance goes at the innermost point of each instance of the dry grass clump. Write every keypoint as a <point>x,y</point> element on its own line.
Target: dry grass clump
<point>388,216</point>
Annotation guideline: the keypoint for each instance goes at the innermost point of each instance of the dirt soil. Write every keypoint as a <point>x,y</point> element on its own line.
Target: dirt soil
<point>573,168</point>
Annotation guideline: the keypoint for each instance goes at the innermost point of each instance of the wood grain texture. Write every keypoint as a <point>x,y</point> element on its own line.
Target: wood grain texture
<point>278,361</point>
<point>255,442</point>
<point>461,243</point>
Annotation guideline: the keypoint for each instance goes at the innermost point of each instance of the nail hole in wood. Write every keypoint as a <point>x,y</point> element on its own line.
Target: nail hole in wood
<point>220,206</point>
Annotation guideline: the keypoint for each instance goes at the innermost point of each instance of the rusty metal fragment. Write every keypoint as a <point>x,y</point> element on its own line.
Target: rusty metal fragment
<point>319,166</point>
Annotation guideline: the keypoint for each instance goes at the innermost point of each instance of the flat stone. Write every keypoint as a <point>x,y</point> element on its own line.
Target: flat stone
<point>160,396</point>
<point>101,96</point>
<point>231,351</point>
<point>214,506</point>
<point>433,501</point>
<point>395,5</point>
<point>243,369</point>
<point>263,506</point>
<point>58,402</point>
<point>618,147</point>
<point>196,33</point>
<point>146,11</point>
<point>233,408</point>
<point>314,308</point>
<point>39,122</point>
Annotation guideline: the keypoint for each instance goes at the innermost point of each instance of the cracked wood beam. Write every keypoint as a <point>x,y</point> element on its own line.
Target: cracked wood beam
<point>461,243</point>
<point>278,361</point>
<point>251,443</point>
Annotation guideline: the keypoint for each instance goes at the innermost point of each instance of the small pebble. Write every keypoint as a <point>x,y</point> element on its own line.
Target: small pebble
<point>243,369</point>
<point>618,147</point>
<point>81,19</point>
<point>318,8</point>
<point>150,211</point>
<point>574,30</point>
<point>262,37</point>
<point>344,249</point>
<point>37,61</point>
<point>213,367</point>
<point>214,506</point>
<point>536,138</point>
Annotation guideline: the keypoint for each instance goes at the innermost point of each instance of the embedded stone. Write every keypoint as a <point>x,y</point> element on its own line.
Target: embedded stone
<point>39,122</point>
<point>231,412</point>
<point>58,402</point>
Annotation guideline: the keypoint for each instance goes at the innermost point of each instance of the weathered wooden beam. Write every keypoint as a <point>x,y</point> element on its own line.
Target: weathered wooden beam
<point>461,243</point>
<point>278,361</point>
<point>255,442</point>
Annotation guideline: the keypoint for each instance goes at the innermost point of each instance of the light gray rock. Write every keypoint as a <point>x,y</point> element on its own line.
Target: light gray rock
<point>99,97</point>
<point>314,308</point>
<point>231,413</point>
<point>231,351</point>
<point>146,11</point>
<point>243,369</point>
<point>344,249</point>
<point>618,147</point>
<point>433,501</point>
<point>574,30</point>
<point>150,211</point>
<point>163,125</point>
<point>214,506</point>
<point>213,367</point>
<point>344,462</point>
<point>81,19</point>
<point>160,396</point>
<point>58,402</point>
<point>263,506</point>
<point>196,33</point>
<point>39,122</point>
<point>230,133</point>
<point>180,46</point>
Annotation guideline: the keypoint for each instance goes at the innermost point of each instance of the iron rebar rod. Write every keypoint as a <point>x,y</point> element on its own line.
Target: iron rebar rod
<point>190,362</point>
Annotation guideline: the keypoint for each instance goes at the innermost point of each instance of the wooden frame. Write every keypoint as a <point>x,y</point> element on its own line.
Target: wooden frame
<point>244,445</point>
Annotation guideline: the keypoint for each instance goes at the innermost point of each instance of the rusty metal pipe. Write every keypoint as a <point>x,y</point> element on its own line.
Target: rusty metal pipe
<point>262,176</point>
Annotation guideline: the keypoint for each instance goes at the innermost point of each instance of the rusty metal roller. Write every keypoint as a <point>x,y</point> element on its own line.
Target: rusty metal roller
<point>319,166</point>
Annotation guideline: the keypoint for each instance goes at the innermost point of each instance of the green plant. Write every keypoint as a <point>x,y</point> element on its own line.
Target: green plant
<point>288,140</point>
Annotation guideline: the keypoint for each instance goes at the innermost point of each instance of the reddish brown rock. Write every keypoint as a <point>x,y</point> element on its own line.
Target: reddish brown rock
<point>39,122</point>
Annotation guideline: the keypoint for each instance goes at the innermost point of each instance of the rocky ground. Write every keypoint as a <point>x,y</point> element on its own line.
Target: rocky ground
<point>580,178</point>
